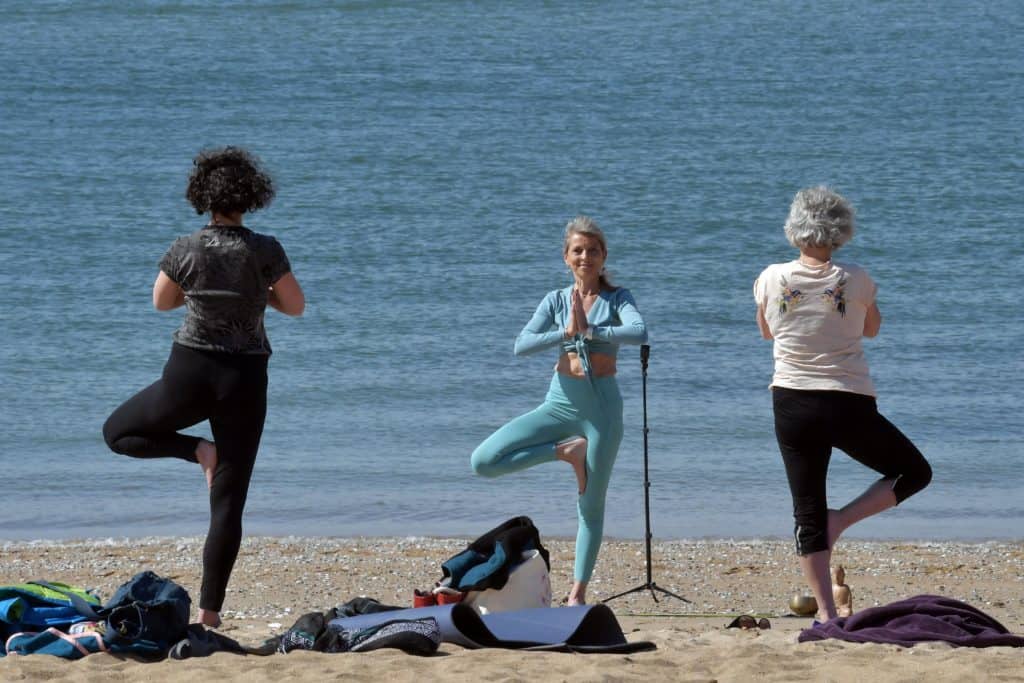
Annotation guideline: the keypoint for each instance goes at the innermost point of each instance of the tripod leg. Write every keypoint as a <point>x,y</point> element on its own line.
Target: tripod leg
<point>649,587</point>
<point>656,587</point>
<point>635,589</point>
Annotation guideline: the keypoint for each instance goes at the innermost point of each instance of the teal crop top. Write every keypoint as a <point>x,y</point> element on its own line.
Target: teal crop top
<point>613,319</point>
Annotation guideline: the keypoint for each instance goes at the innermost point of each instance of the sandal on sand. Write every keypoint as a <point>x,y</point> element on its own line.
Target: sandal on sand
<point>748,621</point>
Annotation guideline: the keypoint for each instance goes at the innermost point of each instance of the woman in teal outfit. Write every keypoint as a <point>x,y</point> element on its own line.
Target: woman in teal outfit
<point>580,421</point>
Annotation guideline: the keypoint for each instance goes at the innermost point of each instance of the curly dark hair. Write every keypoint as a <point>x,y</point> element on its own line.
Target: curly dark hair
<point>228,180</point>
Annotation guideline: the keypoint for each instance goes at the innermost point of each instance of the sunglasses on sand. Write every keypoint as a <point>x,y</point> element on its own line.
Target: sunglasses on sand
<point>746,621</point>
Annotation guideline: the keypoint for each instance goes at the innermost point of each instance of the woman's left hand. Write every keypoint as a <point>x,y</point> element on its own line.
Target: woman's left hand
<point>578,322</point>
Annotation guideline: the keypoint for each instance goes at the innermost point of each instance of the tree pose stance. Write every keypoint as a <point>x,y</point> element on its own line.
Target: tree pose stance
<point>816,310</point>
<point>225,275</point>
<point>580,421</point>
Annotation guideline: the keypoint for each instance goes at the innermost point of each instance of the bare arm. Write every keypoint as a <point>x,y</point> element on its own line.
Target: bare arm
<point>872,320</point>
<point>167,295</point>
<point>286,296</point>
<point>762,324</point>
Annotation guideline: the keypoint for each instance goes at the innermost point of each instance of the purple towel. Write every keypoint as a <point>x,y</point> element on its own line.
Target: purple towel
<point>916,620</point>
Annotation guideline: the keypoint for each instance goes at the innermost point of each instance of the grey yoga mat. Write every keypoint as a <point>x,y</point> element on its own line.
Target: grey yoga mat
<point>585,628</point>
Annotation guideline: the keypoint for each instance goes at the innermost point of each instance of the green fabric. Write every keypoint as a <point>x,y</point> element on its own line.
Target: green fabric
<point>34,591</point>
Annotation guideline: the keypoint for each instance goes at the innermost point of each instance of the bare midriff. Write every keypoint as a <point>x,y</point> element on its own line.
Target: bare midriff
<point>601,365</point>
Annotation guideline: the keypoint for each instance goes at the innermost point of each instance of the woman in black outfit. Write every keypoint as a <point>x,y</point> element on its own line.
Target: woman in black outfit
<point>225,275</point>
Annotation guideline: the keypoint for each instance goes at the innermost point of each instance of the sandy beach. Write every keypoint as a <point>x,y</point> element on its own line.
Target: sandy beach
<point>278,579</point>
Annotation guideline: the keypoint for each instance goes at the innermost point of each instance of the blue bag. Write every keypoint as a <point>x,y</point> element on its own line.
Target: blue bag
<point>56,643</point>
<point>146,616</point>
<point>38,605</point>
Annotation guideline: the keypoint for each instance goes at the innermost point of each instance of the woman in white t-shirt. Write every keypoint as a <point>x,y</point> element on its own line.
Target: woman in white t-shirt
<point>816,310</point>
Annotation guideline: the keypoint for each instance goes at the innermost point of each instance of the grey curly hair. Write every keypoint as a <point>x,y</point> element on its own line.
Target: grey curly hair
<point>585,225</point>
<point>819,217</point>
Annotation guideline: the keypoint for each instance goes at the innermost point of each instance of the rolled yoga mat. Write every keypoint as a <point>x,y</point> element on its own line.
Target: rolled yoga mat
<point>584,628</point>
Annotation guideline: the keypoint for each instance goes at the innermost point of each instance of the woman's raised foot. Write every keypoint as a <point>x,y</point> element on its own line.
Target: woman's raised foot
<point>574,452</point>
<point>206,454</point>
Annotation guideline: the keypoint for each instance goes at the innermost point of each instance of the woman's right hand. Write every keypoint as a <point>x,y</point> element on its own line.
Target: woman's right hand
<point>577,318</point>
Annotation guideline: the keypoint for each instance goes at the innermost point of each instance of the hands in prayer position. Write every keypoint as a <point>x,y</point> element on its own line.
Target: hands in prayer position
<point>578,319</point>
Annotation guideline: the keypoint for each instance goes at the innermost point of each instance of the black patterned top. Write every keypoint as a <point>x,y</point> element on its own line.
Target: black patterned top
<point>225,272</point>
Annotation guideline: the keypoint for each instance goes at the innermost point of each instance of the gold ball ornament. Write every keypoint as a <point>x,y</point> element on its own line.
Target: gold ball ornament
<point>803,605</point>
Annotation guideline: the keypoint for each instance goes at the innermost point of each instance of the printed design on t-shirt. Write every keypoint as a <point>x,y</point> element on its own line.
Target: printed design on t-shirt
<point>836,297</point>
<point>788,298</point>
<point>240,262</point>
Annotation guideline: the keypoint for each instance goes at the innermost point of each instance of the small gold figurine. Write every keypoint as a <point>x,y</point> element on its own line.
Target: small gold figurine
<point>841,593</point>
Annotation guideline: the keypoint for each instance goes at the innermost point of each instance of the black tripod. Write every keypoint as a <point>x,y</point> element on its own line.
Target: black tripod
<point>645,353</point>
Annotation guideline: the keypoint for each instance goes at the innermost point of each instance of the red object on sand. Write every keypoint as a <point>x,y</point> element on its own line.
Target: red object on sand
<point>423,598</point>
<point>449,598</point>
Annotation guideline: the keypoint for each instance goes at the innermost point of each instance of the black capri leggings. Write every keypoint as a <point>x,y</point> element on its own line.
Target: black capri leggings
<point>229,390</point>
<point>808,424</point>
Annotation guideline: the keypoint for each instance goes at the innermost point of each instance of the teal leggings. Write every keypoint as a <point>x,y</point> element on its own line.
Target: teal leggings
<point>573,407</point>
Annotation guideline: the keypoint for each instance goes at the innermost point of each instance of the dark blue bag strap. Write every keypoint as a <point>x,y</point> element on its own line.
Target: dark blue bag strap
<point>83,607</point>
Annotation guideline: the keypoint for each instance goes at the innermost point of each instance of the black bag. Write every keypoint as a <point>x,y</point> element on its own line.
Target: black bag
<point>148,608</point>
<point>146,616</point>
<point>487,561</point>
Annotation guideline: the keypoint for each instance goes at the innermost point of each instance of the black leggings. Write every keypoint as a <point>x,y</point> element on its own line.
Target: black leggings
<point>229,390</point>
<point>808,424</point>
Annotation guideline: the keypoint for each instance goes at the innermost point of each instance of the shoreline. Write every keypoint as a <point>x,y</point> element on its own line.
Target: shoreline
<point>721,576</point>
<point>278,579</point>
<point>657,539</point>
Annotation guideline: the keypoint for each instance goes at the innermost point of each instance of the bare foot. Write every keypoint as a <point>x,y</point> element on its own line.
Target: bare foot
<point>834,528</point>
<point>206,454</point>
<point>574,452</point>
<point>578,594</point>
<point>209,618</point>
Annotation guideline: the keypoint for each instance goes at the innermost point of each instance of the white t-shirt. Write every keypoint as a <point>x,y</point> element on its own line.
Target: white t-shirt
<point>816,314</point>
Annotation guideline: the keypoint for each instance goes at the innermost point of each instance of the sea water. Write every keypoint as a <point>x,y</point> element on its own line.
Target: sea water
<point>427,157</point>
